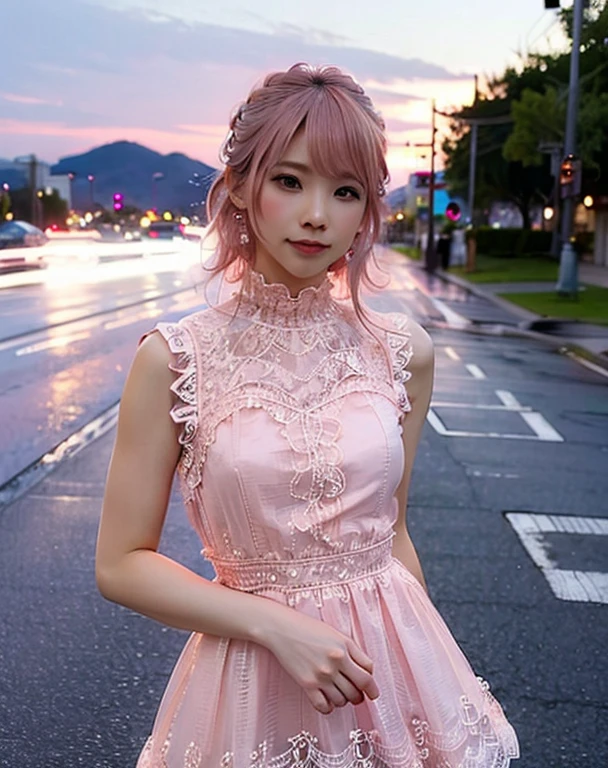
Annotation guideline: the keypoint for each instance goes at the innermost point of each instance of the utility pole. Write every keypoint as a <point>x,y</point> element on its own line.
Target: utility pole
<point>34,201</point>
<point>430,257</point>
<point>473,160</point>
<point>567,283</point>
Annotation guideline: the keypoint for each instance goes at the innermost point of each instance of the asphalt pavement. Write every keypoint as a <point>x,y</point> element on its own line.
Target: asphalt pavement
<point>511,469</point>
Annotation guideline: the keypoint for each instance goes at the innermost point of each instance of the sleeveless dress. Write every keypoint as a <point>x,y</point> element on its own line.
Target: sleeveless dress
<point>292,452</point>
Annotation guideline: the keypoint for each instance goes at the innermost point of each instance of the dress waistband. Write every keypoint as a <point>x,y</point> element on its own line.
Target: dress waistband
<point>293,575</point>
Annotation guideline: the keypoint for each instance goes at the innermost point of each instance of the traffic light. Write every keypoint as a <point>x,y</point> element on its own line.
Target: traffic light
<point>118,201</point>
<point>453,212</point>
<point>570,176</point>
<point>549,4</point>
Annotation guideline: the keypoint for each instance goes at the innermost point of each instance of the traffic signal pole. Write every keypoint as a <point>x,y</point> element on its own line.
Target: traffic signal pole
<point>567,283</point>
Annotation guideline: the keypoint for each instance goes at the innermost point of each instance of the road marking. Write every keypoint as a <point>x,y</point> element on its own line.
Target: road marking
<point>111,325</point>
<point>450,352</point>
<point>538,424</point>
<point>573,585</point>
<point>588,364</point>
<point>508,398</point>
<point>52,343</point>
<point>475,371</point>
<point>540,427</point>
<point>453,318</point>
<point>479,406</point>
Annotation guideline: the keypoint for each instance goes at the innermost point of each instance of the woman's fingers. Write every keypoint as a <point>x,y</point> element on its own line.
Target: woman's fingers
<point>350,692</point>
<point>359,673</point>
<point>320,702</point>
<point>359,657</point>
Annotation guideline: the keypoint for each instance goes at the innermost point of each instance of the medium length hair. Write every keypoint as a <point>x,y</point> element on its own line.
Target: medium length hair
<point>345,136</point>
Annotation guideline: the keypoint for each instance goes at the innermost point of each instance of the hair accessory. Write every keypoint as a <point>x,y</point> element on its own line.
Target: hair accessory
<point>243,234</point>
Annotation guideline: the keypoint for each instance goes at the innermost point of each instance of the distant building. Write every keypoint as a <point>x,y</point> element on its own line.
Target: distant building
<point>16,173</point>
<point>417,195</point>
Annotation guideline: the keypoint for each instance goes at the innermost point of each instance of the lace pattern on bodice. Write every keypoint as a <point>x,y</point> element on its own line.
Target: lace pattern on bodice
<point>296,358</point>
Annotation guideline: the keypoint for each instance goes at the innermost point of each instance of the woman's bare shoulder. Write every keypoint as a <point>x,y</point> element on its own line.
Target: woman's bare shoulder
<point>423,350</point>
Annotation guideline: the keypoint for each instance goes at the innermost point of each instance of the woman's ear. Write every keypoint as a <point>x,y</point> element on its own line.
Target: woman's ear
<point>237,201</point>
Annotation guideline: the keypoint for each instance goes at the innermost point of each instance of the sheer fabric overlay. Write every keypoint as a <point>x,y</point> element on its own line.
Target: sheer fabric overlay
<point>291,417</point>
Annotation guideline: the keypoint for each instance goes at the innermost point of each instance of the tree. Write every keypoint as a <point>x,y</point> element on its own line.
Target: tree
<point>496,178</point>
<point>534,95</point>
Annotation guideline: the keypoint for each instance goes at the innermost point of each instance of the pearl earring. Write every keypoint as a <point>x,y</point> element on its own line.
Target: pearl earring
<point>243,235</point>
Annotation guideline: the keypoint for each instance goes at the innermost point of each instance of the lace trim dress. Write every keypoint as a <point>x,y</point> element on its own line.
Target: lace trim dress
<point>291,414</point>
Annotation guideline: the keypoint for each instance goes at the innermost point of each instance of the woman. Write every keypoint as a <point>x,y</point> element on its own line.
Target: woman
<point>285,411</point>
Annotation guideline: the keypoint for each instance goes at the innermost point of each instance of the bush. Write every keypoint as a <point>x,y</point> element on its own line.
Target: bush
<point>511,243</point>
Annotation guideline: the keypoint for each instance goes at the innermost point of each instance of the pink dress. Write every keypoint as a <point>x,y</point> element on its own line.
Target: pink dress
<point>292,454</point>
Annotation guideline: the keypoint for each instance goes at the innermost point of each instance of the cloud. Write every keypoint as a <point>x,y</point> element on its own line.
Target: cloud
<point>18,98</point>
<point>90,74</point>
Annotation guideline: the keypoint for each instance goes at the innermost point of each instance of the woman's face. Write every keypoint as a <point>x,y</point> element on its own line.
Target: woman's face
<point>307,221</point>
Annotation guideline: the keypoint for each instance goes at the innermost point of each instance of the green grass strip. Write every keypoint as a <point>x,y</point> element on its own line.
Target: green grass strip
<point>591,304</point>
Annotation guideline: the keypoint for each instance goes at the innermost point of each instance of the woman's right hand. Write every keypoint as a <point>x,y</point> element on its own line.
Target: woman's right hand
<point>329,666</point>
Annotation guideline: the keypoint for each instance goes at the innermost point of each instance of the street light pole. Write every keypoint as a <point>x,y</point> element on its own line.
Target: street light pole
<point>91,180</point>
<point>568,266</point>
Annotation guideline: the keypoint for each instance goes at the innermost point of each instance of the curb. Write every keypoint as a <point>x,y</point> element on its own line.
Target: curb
<point>473,288</point>
<point>565,345</point>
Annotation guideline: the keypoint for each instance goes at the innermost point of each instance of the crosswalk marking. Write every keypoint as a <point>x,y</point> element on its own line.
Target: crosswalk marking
<point>574,585</point>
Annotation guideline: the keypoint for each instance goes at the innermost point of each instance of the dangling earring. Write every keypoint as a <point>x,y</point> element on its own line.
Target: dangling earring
<point>343,261</point>
<point>243,235</point>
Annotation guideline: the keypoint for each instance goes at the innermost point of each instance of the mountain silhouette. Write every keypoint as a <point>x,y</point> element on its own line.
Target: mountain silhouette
<point>128,168</point>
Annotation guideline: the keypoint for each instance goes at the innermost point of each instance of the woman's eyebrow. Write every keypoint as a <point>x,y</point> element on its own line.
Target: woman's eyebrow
<point>302,167</point>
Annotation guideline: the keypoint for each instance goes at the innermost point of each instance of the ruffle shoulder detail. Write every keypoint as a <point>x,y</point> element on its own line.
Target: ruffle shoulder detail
<point>399,343</point>
<point>185,409</point>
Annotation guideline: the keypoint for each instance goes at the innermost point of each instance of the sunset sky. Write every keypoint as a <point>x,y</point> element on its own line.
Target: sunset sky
<point>79,73</point>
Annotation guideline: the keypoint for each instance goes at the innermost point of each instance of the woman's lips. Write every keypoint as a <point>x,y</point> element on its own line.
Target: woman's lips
<point>308,248</point>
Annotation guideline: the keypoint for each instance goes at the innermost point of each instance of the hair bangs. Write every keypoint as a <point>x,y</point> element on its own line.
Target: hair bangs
<point>341,144</point>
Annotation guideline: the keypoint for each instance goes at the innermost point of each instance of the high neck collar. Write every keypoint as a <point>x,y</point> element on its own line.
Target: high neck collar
<point>273,304</point>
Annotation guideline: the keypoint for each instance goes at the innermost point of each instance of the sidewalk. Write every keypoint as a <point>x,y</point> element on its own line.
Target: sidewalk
<point>476,306</point>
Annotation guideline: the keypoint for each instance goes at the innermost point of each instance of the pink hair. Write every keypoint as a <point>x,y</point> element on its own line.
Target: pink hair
<point>345,137</point>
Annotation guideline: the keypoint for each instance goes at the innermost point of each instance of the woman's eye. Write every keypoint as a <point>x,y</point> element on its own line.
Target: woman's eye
<point>348,192</point>
<point>289,182</point>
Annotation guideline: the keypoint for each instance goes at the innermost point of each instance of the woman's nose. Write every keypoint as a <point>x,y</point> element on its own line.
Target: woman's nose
<point>315,211</point>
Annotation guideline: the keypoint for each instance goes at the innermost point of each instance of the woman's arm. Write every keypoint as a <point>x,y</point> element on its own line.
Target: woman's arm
<point>328,665</point>
<point>419,388</point>
<point>129,569</point>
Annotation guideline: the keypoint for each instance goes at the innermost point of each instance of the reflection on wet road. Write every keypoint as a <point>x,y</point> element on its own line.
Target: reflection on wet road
<point>66,343</point>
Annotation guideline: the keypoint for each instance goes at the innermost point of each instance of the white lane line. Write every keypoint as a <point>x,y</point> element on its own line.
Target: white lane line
<point>579,586</point>
<point>574,585</point>
<point>588,364</point>
<point>113,324</point>
<point>475,371</point>
<point>53,343</point>
<point>536,421</point>
<point>479,406</point>
<point>450,352</point>
<point>540,425</point>
<point>453,318</point>
<point>508,398</point>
